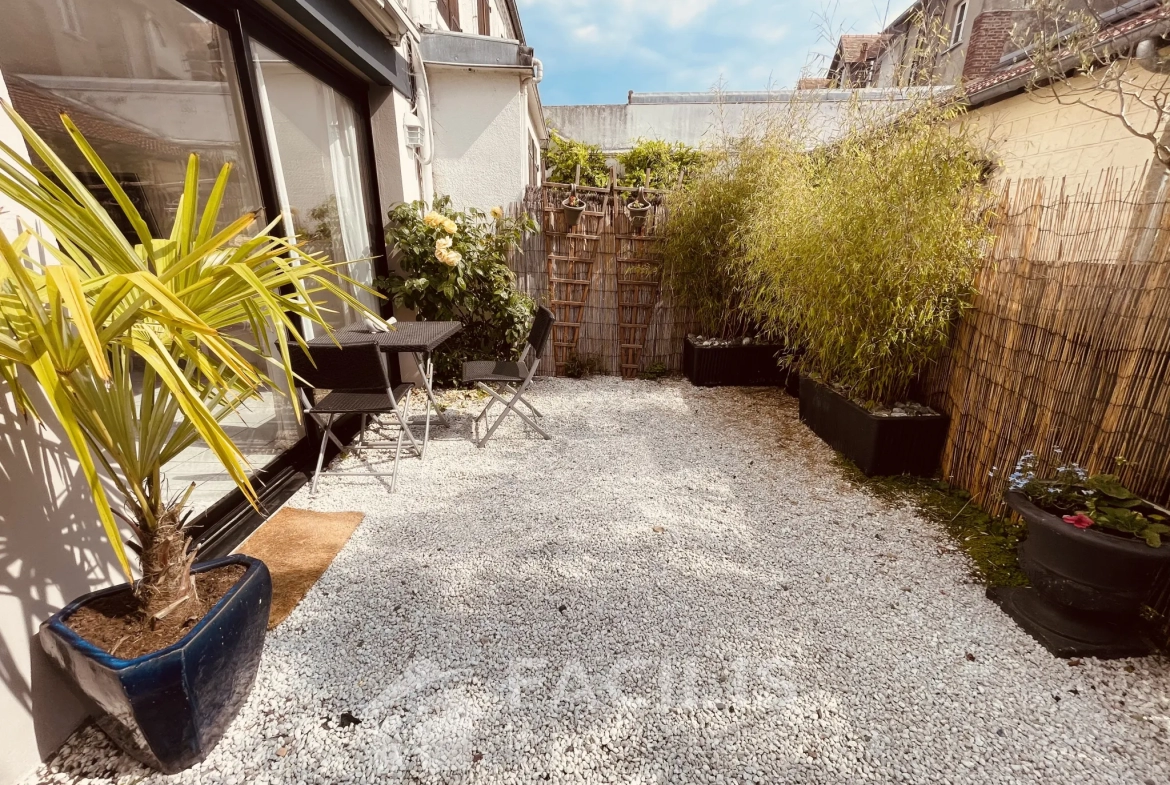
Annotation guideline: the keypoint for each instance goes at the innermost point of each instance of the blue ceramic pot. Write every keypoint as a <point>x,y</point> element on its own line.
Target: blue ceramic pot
<point>171,707</point>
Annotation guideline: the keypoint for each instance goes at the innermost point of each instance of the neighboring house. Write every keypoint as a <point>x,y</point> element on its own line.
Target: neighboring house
<point>853,61</point>
<point>938,42</point>
<point>329,118</point>
<point>1056,132</point>
<point>1046,132</point>
<point>700,118</point>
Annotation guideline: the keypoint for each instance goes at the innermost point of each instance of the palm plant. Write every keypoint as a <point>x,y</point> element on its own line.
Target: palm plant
<point>101,307</point>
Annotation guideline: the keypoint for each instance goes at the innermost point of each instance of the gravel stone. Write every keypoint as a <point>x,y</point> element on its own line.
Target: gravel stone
<point>680,587</point>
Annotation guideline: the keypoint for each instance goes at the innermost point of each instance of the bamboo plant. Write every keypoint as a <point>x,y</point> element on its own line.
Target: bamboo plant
<point>80,320</point>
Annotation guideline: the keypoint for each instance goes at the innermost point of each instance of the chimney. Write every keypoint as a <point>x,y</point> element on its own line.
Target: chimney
<point>990,33</point>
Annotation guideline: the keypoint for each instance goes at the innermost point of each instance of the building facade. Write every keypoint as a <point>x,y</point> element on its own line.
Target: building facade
<point>329,112</point>
<point>935,42</point>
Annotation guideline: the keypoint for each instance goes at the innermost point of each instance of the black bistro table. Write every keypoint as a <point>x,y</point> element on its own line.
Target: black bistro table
<point>419,340</point>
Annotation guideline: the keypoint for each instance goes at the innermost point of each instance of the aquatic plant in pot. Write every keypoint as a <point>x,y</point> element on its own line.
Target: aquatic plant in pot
<point>864,255</point>
<point>126,340</point>
<point>704,272</point>
<point>1094,550</point>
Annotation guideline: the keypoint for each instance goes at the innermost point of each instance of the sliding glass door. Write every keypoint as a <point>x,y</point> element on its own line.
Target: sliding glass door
<point>149,82</point>
<point>313,136</point>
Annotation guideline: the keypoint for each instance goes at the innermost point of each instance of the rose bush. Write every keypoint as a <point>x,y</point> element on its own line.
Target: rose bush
<point>454,267</point>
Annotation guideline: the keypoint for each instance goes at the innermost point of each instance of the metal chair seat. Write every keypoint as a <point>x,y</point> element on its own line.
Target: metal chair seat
<point>493,371</point>
<point>372,402</point>
<point>503,374</point>
<point>357,378</point>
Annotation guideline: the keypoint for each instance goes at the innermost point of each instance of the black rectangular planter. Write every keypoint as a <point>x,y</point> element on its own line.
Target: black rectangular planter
<point>739,365</point>
<point>878,445</point>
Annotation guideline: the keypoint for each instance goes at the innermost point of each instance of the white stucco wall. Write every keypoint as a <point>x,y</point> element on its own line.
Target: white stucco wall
<point>482,130</point>
<point>699,119</point>
<point>52,550</point>
<point>1067,132</point>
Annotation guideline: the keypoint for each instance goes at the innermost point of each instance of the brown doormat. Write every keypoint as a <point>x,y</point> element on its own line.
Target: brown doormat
<point>298,546</point>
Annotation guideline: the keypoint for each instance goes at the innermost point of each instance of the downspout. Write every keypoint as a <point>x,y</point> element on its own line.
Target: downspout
<point>536,78</point>
<point>422,108</point>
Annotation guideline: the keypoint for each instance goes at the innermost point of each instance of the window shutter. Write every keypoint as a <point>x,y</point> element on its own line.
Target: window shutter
<point>485,17</point>
<point>449,10</point>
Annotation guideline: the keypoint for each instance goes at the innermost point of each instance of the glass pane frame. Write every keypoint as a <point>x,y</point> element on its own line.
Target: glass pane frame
<point>247,22</point>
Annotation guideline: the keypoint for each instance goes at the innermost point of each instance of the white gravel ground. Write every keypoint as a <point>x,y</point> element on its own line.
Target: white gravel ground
<point>678,588</point>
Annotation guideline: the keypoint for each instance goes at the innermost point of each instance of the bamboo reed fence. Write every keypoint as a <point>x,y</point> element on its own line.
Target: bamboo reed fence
<point>603,280</point>
<point>1065,350</point>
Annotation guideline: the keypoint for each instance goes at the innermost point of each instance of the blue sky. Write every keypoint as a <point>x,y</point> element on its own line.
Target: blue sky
<point>595,51</point>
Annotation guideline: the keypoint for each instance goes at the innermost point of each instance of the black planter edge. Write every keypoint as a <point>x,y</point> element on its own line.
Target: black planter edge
<point>1010,600</point>
<point>57,624</point>
<point>861,409</point>
<point>1030,512</point>
<point>850,444</point>
<point>699,361</point>
<point>1131,643</point>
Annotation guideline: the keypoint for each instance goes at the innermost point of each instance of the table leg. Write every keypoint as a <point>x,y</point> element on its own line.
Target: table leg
<point>426,369</point>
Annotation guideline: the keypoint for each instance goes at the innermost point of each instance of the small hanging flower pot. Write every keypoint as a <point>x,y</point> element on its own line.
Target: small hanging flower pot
<point>638,211</point>
<point>572,208</point>
<point>638,208</point>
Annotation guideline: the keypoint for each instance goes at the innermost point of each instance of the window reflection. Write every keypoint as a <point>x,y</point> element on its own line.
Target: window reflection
<point>313,132</point>
<point>148,82</point>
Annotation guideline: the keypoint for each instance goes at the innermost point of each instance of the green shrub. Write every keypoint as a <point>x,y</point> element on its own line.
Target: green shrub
<point>582,366</point>
<point>455,267</point>
<point>563,157</point>
<point>702,251</point>
<point>864,254</point>
<point>663,160</point>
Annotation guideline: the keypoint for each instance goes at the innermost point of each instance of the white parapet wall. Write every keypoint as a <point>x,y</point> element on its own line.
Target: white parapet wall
<point>698,119</point>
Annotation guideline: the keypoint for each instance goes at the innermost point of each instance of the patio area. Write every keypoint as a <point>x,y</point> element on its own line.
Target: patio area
<point>680,587</point>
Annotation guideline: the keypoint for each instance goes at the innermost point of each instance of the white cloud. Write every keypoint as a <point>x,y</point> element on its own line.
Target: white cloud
<point>588,33</point>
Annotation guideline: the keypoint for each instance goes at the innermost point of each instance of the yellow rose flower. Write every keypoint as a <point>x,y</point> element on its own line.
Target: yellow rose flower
<point>433,219</point>
<point>443,243</point>
<point>449,258</point>
<point>498,213</point>
<point>449,226</point>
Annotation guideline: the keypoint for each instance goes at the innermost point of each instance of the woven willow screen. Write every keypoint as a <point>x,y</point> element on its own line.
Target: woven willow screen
<point>1067,345</point>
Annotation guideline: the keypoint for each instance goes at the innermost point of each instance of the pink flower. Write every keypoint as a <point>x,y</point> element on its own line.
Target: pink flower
<point>1080,520</point>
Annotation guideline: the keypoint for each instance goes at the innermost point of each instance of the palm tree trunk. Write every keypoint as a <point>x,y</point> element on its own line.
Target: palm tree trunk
<point>166,585</point>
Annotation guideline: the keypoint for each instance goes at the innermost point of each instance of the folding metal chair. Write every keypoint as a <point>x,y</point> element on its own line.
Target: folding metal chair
<point>357,378</point>
<point>506,374</point>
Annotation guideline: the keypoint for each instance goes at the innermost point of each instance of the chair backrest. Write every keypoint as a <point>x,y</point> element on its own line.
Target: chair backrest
<point>356,365</point>
<point>541,327</point>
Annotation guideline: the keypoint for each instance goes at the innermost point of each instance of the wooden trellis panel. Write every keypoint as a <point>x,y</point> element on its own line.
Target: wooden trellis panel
<point>639,279</point>
<point>605,292</point>
<point>572,255</point>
